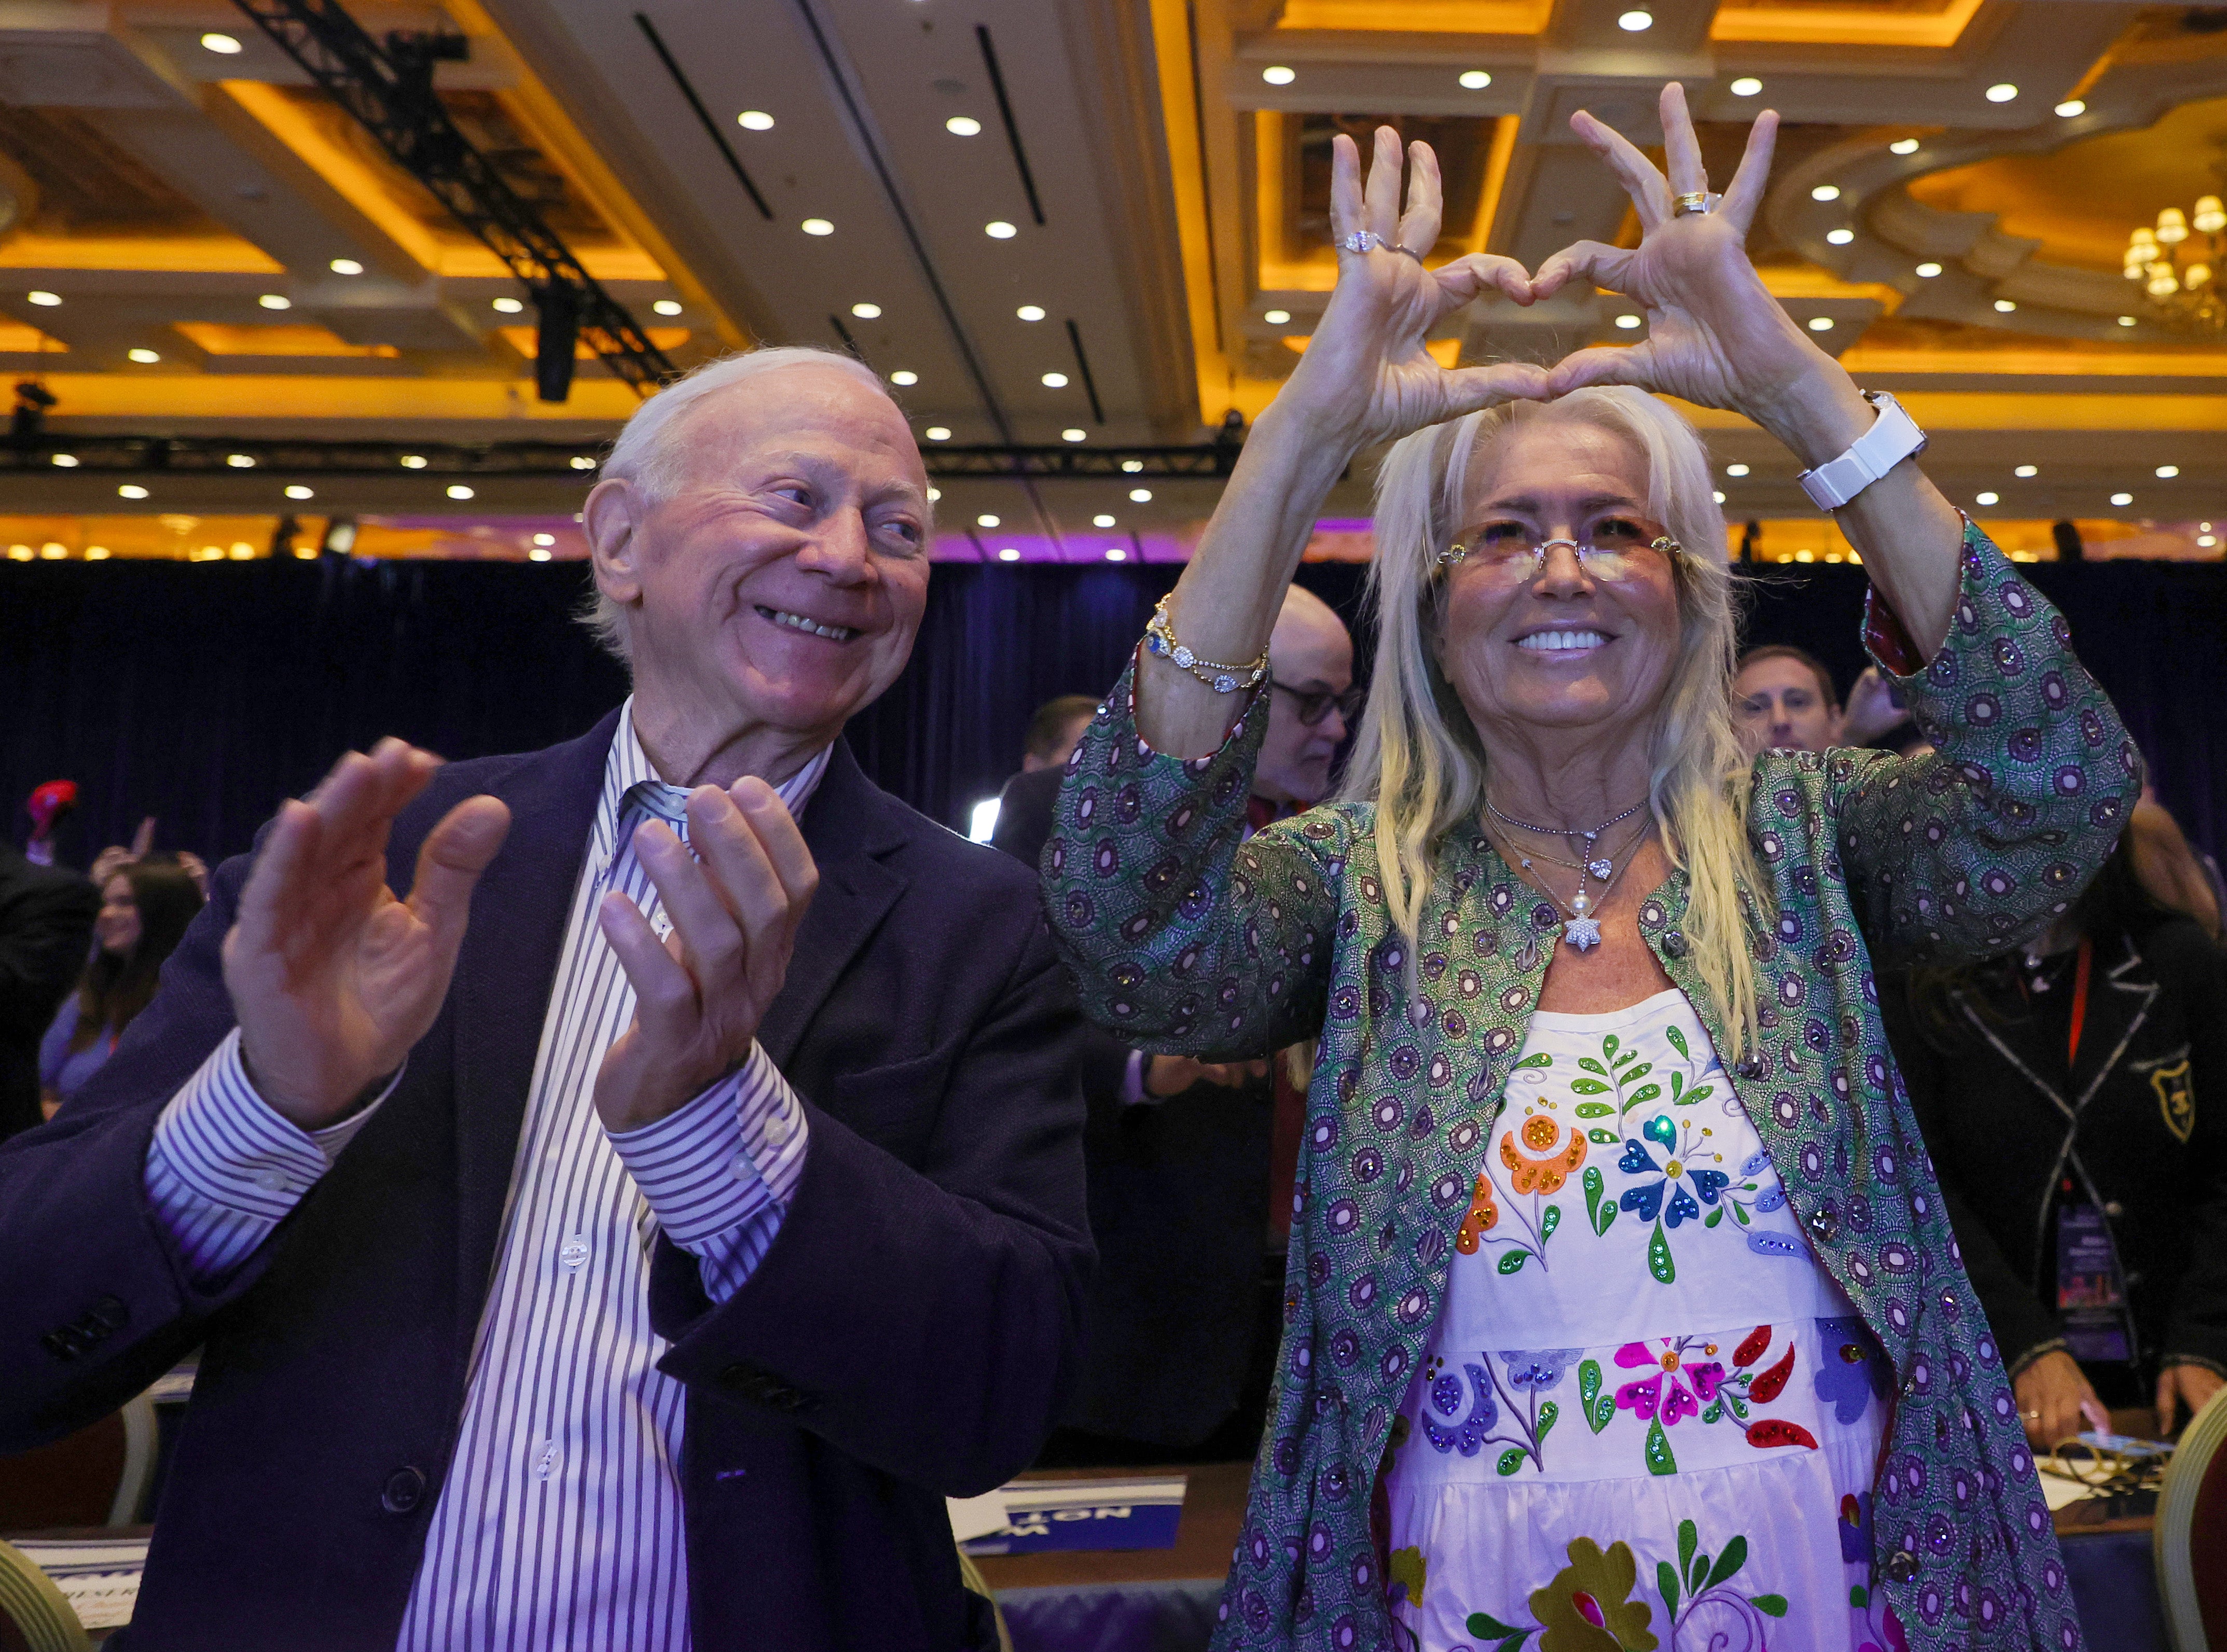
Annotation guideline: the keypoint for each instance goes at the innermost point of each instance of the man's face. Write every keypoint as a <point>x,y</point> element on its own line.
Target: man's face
<point>1309,654</point>
<point>1779,706</point>
<point>1070,737</point>
<point>780,582</point>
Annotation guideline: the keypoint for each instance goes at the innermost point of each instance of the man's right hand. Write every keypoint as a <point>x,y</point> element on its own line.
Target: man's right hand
<point>332,979</point>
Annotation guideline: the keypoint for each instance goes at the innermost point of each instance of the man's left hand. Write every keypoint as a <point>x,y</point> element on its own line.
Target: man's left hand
<point>2191,1385</point>
<point>735,904</point>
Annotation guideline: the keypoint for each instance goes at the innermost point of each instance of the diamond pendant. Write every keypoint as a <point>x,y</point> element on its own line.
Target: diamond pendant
<point>1583,933</point>
<point>1602,870</point>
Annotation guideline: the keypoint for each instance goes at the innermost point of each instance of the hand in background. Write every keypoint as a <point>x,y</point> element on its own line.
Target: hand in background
<point>701,993</point>
<point>2055,1401</point>
<point>2189,1386</point>
<point>332,977</point>
<point>1166,1076</point>
<point>1870,711</point>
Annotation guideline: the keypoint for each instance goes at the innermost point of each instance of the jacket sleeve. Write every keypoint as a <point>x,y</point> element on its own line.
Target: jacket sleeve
<point>926,1321</point>
<point>100,1300</point>
<point>1971,848</point>
<point>43,947</point>
<point>2024,1326</point>
<point>1184,935</point>
<point>2196,1326</point>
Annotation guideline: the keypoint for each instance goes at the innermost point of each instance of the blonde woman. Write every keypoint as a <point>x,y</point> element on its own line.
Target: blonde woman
<point>1622,1312</point>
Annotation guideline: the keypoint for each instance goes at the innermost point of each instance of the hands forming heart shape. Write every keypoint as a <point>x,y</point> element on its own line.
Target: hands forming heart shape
<point>1715,335</point>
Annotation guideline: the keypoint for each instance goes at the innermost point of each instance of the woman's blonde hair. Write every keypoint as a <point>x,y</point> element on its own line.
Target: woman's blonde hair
<point>1417,755</point>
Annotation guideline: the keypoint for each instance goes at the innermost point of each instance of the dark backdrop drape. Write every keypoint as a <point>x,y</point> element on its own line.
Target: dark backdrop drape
<point>204,693</point>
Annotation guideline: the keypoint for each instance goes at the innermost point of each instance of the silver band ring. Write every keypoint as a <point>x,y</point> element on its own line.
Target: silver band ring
<point>1694,203</point>
<point>1410,252</point>
<point>2031,1416</point>
<point>1362,240</point>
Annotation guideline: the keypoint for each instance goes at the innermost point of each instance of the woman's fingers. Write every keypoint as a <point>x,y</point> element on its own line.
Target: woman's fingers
<point>1650,195</point>
<point>1466,277</point>
<point>1382,196</point>
<point>1682,150</point>
<point>1743,194</point>
<point>1419,224</point>
<point>1594,261</point>
<point>1346,205</point>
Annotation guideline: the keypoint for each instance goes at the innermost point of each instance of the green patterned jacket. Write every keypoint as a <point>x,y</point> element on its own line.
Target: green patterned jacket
<point>1187,937</point>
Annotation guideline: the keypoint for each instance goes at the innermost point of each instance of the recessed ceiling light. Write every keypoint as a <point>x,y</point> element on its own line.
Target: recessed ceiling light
<point>96,553</point>
<point>1073,434</point>
<point>507,306</point>
<point>44,298</point>
<point>545,539</point>
<point>1133,465</point>
<point>935,493</point>
<point>131,490</point>
<point>66,460</point>
<point>298,491</point>
<point>1985,499</point>
<point>963,126</point>
<point>2207,540</point>
<point>241,461</point>
<point>1277,75</point>
<point>275,301</point>
<point>2126,320</point>
<point>1902,146</point>
<point>999,230</point>
<point>582,462</point>
<point>1054,381</point>
<point>1628,322</point>
<point>985,521</point>
<point>2123,499</point>
<point>2168,472</point>
<point>2004,306</point>
<point>1826,192</point>
<point>1718,495</point>
<point>222,44</point>
<point>1746,86</point>
<point>540,553</point>
<point>2071,107</point>
<point>1929,269</point>
<point>2027,470</point>
<point>458,490</point>
<point>755,120</point>
<point>1475,79</point>
<point>345,266</point>
<point>143,356</point>
<point>1276,317</point>
<point>1101,521</point>
<point>1010,553</point>
<point>2002,92</point>
<point>904,376</point>
<point>867,312</point>
<point>1031,312</point>
<point>667,306</point>
<point>1820,323</point>
<point>937,433</point>
<point>1635,22</point>
<point>1735,471</point>
<point>817,226</point>
<point>1840,237</point>
<point>1115,553</point>
<point>413,461</point>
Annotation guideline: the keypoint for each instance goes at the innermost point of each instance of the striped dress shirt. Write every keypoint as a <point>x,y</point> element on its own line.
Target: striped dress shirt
<point>559,1522</point>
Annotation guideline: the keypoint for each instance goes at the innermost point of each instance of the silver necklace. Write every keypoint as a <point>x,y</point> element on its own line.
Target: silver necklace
<point>1579,927</point>
<point>1602,867</point>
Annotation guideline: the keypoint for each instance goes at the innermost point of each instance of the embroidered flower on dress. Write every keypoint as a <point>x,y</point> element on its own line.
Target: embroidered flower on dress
<point>1590,1598</point>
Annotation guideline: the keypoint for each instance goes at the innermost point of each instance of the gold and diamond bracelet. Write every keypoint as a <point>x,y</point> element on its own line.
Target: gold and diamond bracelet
<point>1160,638</point>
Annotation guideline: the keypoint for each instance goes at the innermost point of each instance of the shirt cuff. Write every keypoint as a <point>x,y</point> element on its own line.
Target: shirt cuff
<point>724,1158</point>
<point>228,1146</point>
<point>1134,1093</point>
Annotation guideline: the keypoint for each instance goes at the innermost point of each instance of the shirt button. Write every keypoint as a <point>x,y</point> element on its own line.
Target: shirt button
<point>271,1181</point>
<point>546,1459</point>
<point>744,1168</point>
<point>574,1252</point>
<point>777,1127</point>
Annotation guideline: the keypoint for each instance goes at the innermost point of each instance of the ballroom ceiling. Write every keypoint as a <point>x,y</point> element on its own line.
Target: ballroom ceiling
<point>1101,223</point>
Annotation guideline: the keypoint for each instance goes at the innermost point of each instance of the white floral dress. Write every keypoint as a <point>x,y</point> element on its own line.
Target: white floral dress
<point>1647,1418</point>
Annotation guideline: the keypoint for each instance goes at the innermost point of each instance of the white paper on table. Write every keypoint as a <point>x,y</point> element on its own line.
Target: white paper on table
<point>2062,1491</point>
<point>973,1517</point>
<point>99,1576</point>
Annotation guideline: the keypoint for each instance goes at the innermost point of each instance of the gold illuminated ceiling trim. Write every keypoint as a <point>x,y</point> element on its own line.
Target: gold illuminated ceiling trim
<point>225,395</point>
<point>1179,105</point>
<point>175,254</point>
<point>1989,410</point>
<point>1419,16</point>
<point>1861,359</point>
<point>1788,25</point>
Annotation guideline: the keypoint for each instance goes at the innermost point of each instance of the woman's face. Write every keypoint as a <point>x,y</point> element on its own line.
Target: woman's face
<point>1562,648</point>
<point>117,929</point>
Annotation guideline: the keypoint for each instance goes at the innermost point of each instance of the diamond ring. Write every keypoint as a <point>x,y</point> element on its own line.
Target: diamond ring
<point>1362,240</point>
<point>1694,203</point>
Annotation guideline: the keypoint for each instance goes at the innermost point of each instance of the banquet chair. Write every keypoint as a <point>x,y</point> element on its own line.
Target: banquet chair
<point>34,1616</point>
<point>97,1477</point>
<point>2190,1537</point>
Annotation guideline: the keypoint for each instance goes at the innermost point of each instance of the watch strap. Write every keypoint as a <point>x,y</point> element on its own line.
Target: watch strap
<point>1893,437</point>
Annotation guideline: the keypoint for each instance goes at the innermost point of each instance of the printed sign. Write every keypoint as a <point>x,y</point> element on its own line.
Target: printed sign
<point>1043,1515</point>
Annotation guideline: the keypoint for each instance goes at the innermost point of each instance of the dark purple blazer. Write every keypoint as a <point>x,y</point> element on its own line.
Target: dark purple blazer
<point>909,1336</point>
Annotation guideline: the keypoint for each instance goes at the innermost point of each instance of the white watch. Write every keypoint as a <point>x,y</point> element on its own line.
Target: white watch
<point>1893,437</point>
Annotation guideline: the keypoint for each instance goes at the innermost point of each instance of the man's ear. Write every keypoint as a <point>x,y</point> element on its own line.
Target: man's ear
<point>612,518</point>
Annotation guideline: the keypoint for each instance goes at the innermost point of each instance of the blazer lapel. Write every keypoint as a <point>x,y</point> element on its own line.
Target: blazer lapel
<point>848,825</point>
<point>505,973</point>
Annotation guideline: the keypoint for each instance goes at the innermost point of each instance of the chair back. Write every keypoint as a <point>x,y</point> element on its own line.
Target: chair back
<point>33,1616</point>
<point>2189,1538</point>
<point>97,1477</point>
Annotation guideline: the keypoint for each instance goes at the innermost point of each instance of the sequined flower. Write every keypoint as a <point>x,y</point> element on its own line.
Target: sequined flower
<point>1677,1178</point>
<point>1536,1369</point>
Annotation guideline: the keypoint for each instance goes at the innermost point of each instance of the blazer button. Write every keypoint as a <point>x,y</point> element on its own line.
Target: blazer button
<point>1901,1566</point>
<point>1822,1227</point>
<point>403,1491</point>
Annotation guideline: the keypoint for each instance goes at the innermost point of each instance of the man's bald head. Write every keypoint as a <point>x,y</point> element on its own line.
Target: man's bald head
<point>1310,658</point>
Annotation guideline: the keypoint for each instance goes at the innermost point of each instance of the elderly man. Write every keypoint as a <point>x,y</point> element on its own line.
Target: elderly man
<point>630,1238</point>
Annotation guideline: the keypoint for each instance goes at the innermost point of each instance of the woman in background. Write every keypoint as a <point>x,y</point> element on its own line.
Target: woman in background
<point>145,909</point>
<point>2069,1093</point>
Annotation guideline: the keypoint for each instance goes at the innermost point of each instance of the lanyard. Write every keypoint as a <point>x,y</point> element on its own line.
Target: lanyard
<point>2079,1001</point>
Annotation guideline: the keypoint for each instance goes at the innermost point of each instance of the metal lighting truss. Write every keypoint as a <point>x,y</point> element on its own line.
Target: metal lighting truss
<point>390,90</point>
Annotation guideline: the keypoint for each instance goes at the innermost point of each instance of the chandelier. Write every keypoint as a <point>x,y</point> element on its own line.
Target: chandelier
<point>2179,266</point>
